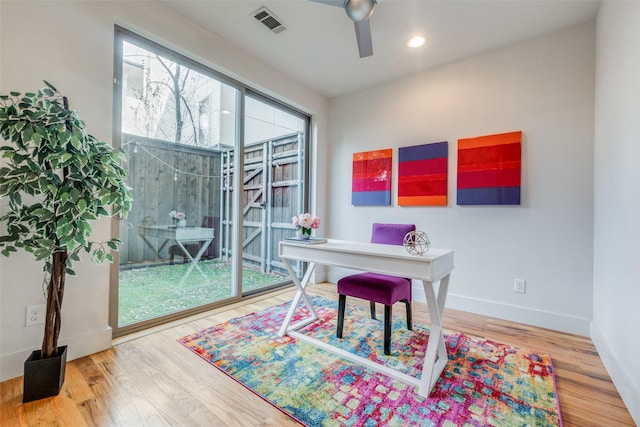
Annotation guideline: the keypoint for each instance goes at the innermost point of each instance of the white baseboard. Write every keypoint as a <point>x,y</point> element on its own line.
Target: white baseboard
<point>514,313</point>
<point>320,274</point>
<point>545,319</point>
<point>12,365</point>
<point>629,391</point>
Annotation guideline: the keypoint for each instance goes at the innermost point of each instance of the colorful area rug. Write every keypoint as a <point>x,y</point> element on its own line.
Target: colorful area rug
<point>485,383</point>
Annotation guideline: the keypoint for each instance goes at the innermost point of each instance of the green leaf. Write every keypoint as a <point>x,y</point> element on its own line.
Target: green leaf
<point>7,251</point>
<point>88,216</point>
<point>47,211</point>
<point>74,194</point>
<point>98,255</point>
<point>76,142</point>
<point>52,189</point>
<point>64,158</point>
<point>15,199</point>
<point>50,86</point>
<point>67,242</point>
<point>63,229</point>
<point>20,125</point>
<point>46,242</point>
<point>81,240</point>
<point>43,213</point>
<point>83,227</point>
<point>27,133</point>
<point>37,115</point>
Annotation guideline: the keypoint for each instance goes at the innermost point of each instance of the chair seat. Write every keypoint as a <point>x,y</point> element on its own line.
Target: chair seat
<point>376,287</point>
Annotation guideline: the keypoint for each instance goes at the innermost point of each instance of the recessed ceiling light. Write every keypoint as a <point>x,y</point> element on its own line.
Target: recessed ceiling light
<point>416,41</point>
<point>225,112</point>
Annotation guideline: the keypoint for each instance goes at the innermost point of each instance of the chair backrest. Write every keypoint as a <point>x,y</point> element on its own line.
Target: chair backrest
<point>208,222</point>
<point>390,234</point>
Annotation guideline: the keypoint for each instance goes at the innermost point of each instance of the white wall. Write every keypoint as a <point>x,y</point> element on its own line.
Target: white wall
<point>543,87</point>
<point>70,44</point>
<point>616,315</point>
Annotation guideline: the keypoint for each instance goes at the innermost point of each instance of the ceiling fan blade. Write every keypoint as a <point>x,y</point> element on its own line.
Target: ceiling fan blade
<point>363,36</point>
<point>338,3</point>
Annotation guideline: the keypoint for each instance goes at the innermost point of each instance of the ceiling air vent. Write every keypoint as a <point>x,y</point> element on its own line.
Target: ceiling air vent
<point>269,20</point>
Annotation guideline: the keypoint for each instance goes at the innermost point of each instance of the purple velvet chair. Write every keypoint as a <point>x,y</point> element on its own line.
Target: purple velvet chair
<point>376,287</point>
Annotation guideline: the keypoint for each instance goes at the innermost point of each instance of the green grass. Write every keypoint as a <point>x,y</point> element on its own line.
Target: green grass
<point>149,292</point>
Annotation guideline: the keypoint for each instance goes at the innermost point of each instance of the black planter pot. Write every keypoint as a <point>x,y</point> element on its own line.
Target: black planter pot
<point>44,377</point>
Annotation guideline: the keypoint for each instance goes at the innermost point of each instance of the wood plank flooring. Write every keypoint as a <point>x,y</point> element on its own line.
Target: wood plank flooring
<point>154,381</point>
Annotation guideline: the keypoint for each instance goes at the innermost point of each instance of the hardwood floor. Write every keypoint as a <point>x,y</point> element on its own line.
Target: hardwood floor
<point>154,381</point>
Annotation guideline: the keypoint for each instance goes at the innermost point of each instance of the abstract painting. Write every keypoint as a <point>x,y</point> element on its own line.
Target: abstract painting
<point>489,169</point>
<point>422,175</point>
<point>371,180</point>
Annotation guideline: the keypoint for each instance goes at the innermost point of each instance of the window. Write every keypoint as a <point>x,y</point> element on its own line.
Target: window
<point>208,183</point>
<point>204,121</point>
<point>133,74</point>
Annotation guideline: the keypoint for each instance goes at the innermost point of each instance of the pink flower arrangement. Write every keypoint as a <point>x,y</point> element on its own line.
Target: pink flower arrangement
<point>177,216</point>
<point>306,222</point>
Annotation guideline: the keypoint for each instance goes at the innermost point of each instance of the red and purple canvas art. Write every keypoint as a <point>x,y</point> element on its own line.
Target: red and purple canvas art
<point>422,175</point>
<point>489,169</point>
<point>371,180</point>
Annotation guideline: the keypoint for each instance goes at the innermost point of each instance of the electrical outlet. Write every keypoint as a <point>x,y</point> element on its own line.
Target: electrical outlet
<point>35,315</point>
<point>520,286</point>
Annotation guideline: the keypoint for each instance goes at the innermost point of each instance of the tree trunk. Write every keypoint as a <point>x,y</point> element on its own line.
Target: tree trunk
<point>55,292</point>
<point>176,99</point>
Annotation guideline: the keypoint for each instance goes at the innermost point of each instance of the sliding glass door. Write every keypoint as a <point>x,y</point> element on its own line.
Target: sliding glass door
<point>205,165</point>
<point>273,188</point>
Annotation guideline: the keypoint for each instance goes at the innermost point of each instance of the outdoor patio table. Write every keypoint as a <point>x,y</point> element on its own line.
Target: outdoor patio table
<point>180,235</point>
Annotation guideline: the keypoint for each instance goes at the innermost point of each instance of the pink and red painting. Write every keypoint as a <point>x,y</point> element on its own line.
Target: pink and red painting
<point>489,169</point>
<point>371,179</point>
<point>422,174</point>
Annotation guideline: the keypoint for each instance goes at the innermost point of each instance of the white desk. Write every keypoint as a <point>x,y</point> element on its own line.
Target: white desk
<point>180,235</point>
<point>434,266</point>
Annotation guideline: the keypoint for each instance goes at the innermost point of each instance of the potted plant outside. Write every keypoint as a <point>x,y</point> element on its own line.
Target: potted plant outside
<point>58,179</point>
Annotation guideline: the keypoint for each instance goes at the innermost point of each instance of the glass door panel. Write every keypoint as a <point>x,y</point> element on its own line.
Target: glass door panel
<point>178,127</point>
<point>274,165</point>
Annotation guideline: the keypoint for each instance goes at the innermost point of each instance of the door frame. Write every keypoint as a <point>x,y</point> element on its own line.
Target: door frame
<point>123,34</point>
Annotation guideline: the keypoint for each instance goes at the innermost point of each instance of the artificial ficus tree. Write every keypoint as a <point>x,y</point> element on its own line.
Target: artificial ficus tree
<point>58,179</point>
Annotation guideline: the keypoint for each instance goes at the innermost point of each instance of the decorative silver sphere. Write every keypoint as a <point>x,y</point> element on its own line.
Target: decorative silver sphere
<point>416,242</point>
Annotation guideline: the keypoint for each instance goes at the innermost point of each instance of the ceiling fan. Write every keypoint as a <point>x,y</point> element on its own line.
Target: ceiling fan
<point>359,11</point>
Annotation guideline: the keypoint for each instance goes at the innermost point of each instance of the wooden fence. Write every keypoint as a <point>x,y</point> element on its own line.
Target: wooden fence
<point>272,193</point>
<point>167,176</point>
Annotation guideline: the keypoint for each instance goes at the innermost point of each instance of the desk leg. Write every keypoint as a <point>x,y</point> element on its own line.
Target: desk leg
<point>194,260</point>
<point>433,366</point>
<point>300,285</point>
<point>155,250</point>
